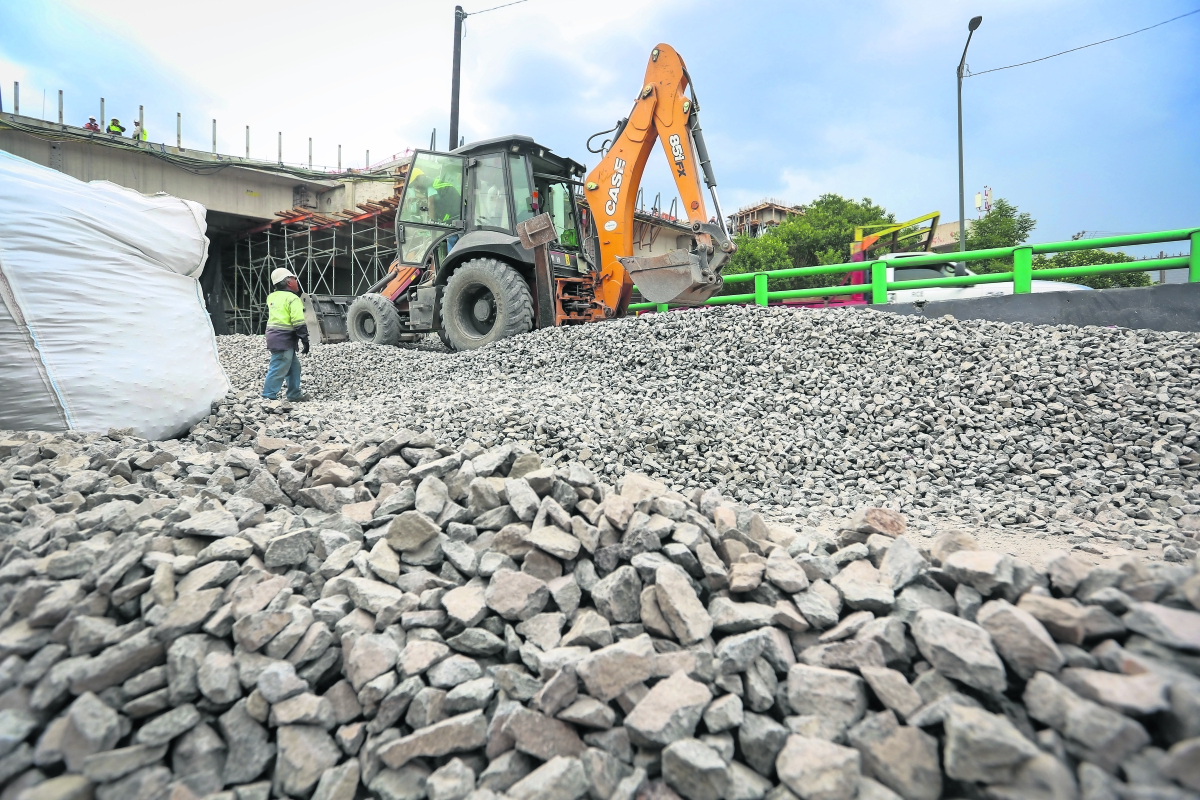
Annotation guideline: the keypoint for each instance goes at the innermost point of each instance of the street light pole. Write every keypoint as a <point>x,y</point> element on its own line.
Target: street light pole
<point>962,208</point>
<point>459,16</point>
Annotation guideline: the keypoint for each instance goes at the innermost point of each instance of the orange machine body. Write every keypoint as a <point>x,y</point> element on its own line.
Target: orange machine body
<point>661,113</point>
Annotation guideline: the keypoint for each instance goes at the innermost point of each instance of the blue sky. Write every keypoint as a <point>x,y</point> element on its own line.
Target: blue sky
<point>797,98</point>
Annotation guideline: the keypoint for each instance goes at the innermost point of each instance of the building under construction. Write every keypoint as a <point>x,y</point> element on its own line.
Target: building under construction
<point>754,220</point>
<point>332,253</point>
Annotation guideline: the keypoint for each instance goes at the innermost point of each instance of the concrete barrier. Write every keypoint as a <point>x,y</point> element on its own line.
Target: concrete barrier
<point>1167,307</point>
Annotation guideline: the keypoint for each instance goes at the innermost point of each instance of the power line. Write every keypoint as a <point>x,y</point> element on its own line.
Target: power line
<point>1083,47</point>
<point>493,8</point>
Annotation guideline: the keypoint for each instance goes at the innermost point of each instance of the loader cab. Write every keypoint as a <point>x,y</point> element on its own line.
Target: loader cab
<point>469,202</point>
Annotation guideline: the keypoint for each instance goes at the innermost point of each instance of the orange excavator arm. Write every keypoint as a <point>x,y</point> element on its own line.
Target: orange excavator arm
<point>665,110</point>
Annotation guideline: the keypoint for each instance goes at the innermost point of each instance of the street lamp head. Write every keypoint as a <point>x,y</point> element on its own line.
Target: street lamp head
<point>974,23</point>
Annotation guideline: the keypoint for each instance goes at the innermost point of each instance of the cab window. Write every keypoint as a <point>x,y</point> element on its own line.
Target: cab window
<point>558,203</point>
<point>433,194</point>
<point>490,207</point>
<point>522,190</point>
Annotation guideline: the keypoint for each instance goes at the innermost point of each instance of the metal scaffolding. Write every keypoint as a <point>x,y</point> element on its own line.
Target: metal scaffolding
<point>341,255</point>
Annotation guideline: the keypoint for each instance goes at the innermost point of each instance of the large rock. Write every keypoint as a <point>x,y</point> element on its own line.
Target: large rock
<point>618,596</point>
<point>338,783</point>
<point>831,694</point>
<point>1172,627</point>
<point>893,690</point>
<point>209,524</point>
<point>668,712</point>
<point>610,671</point>
<point>983,747</point>
<point>1182,763</point>
<point>516,595</point>
<point>555,542</point>
<point>410,531</point>
<point>370,656</point>
<point>1133,695</point>
<point>455,735</point>
<point>903,564</point>
<point>1069,622</point>
<point>91,727</point>
<point>872,519</point>
<point>959,649</point>
<point>1092,732</point>
<point>815,769</point>
<point>560,778</point>
<point>111,765</point>
<point>168,726</point>
<point>541,736</point>
<point>305,752</point>
<point>188,613</point>
<point>761,738</point>
<point>1022,641</point>
<point>683,611</point>
<point>984,570</point>
<point>253,751</point>
<point>902,758</point>
<point>466,605</point>
<point>695,770</point>
<point>117,663</point>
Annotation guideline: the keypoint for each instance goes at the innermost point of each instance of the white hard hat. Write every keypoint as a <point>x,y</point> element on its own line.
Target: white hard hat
<point>277,275</point>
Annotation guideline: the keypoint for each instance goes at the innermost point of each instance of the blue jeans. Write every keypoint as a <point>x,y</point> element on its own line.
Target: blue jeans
<point>285,364</point>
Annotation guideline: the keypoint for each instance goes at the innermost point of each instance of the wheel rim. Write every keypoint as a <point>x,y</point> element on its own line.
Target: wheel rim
<point>477,310</point>
<point>365,326</point>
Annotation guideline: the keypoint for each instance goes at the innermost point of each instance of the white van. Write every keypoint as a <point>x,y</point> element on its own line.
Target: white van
<point>928,271</point>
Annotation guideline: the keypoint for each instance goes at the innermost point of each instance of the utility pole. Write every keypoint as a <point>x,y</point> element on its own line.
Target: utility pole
<point>459,16</point>
<point>962,208</point>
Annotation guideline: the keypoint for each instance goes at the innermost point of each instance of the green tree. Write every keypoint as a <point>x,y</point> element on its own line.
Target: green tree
<point>821,235</point>
<point>758,254</point>
<point>1003,226</point>
<point>1084,258</point>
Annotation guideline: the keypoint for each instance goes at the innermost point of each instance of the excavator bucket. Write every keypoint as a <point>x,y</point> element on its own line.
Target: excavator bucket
<point>675,277</point>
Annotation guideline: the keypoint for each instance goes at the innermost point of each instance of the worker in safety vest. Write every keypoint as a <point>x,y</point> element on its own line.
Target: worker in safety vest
<point>139,132</point>
<point>92,125</point>
<point>286,332</point>
<point>446,202</point>
<point>115,127</point>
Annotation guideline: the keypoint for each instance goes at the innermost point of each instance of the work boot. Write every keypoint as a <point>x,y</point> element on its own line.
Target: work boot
<point>302,398</point>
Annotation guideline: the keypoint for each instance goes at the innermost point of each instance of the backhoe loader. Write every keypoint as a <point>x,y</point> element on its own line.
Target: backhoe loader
<point>495,238</point>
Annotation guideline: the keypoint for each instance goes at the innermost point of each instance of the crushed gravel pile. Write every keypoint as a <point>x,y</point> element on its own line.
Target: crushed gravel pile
<point>810,414</point>
<point>395,618</point>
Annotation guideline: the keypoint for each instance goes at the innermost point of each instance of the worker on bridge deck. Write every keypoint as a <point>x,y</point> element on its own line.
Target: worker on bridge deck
<point>92,125</point>
<point>286,333</point>
<point>139,132</point>
<point>115,127</point>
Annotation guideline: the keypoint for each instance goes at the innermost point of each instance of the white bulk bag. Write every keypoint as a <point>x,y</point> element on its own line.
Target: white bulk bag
<point>102,323</point>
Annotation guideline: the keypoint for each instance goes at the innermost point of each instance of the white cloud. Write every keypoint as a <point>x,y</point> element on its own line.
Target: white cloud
<point>378,77</point>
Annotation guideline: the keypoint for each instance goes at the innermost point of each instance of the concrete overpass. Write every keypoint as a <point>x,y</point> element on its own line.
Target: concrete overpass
<point>239,193</point>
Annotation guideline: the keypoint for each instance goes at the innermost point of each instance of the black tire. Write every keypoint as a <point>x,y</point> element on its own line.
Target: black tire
<point>445,339</point>
<point>372,319</point>
<point>485,300</point>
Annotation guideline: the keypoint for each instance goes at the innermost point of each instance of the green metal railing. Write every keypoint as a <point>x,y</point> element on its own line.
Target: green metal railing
<point>1021,276</point>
